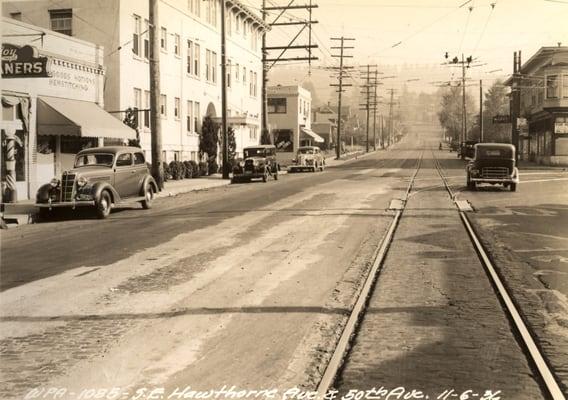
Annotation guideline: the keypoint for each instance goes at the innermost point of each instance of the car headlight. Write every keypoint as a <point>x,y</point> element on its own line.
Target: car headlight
<point>82,181</point>
<point>54,182</point>
<point>241,164</point>
<point>256,163</point>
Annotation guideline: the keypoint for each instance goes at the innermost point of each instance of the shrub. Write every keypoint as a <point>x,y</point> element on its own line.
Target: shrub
<point>213,167</point>
<point>194,169</point>
<point>203,168</point>
<point>188,169</point>
<point>177,170</point>
<point>167,171</point>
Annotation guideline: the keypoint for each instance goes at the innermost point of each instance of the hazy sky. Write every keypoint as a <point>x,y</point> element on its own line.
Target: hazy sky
<point>421,31</point>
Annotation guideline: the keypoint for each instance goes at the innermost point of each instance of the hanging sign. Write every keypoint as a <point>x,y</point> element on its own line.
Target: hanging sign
<point>23,62</point>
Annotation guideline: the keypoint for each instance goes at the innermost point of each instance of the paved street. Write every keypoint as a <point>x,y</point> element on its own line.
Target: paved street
<point>251,284</point>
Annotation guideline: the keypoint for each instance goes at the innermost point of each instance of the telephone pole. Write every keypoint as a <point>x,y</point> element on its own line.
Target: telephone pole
<point>341,74</point>
<point>375,112</point>
<point>481,110</point>
<point>367,88</point>
<point>516,102</point>
<point>225,149</point>
<point>291,46</point>
<point>390,117</point>
<point>155,122</point>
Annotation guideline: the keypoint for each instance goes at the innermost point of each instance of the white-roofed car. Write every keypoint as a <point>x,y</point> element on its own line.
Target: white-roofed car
<point>308,158</point>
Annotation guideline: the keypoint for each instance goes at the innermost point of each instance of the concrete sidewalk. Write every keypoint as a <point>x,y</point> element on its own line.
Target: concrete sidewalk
<point>173,188</point>
<point>533,165</point>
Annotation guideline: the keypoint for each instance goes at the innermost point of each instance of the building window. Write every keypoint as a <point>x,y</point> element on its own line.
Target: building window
<point>251,84</point>
<point>138,103</point>
<point>146,109</point>
<point>136,35</point>
<point>244,76</point>
<point>255,86</point>
<point>565,86</point>
<point>163,105</point>
<point>229,66</point>
<point>277,105</point>
<point>146,34</point>
<point>196,59</point>
<point>229,24</point>
<point>214,67</point>
<point>194,6</point>
<point>245,28</point>
<point>164,39</point>
<point>189,117</point>
<point>237,72</point>
<point>238,24</point>
<point>196,127</point>
<point>61,21</point>
<point>176,107</point>
<point>177,45</point>
<point>552,87</point>
<point>189,57</point>
<point>208,65</point>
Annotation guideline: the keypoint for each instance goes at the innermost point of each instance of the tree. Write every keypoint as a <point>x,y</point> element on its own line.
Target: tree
<point>209,138</point>
<point>231,145</point>
<point>131,120</point>
<point>450,114</point>
<point>496,103</point>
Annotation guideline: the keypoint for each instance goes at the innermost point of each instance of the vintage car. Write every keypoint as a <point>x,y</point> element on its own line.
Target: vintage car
<point>493,163</point>
<point>466,149</point>
<point>102,178</point>
<point>308,158</point>
<point>454,146</point>
<point>259,162</point>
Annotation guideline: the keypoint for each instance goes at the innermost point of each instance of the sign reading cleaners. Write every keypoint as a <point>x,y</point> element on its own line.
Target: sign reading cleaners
<point>23,62</point>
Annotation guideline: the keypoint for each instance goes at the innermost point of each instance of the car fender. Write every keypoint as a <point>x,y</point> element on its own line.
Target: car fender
<point>99,187</point>
<point>42,194</point>
<point>148,180</point>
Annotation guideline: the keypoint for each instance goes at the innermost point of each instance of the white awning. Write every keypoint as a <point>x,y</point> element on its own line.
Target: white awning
<point>317,138</point>
<point>57,116</point>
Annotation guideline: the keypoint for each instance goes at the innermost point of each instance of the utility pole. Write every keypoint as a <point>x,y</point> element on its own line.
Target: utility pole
<point>375,112</point>
<point>155,122</point>
<point>225,149</point>
<point>367,87</point>
<point>390,117</point>
<point>464,123</point>
<point>342,71</point>
<point>516,102</point>
<point>307,24</point>
<point>481,110</point>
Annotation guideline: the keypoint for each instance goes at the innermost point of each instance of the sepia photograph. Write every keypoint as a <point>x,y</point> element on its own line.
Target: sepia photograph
<point>284,200</point>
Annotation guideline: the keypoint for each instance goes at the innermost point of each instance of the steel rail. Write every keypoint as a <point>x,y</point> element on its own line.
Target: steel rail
<point>547,376</point>
<point>335,363</point>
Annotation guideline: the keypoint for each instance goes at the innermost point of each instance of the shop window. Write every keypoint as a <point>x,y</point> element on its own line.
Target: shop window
<point>277,105</point>
<point>73,145</point>
<point>61,21</point>
<point>283,140</point>
<point>552,87</point>
<point>565,86</point>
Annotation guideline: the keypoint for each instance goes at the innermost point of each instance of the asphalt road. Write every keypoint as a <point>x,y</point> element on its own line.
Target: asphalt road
<point>249,285</point>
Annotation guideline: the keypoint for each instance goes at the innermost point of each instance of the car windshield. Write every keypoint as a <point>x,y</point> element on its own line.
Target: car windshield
<point>103,159</point>
<point>254,153</point>
<point>493,153</point>
<point>306,151</point>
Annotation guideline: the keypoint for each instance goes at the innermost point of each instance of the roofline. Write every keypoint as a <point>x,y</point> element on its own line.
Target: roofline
<point>534,57</point>
<point>259,21</point>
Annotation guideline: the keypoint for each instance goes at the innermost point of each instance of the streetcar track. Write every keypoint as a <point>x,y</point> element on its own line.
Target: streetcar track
<point>532,351</point>
<point>349,331</point>
<point>523,333</point>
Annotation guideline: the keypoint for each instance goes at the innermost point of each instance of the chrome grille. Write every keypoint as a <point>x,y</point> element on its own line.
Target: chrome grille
<point>494,172</point>
<point>67,187</point>
<point>249,165</point>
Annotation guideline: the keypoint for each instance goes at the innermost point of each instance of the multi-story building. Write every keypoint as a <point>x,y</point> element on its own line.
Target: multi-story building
<point>190,62</point>
<point>543,84</point>
<point>52,98</point>
<point>289,120</point>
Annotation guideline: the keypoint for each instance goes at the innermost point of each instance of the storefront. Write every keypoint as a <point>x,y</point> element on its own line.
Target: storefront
<point>548,138</point>
<point>52,99</point>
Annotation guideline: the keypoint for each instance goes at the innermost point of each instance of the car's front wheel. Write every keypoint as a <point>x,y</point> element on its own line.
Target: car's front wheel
<point>148,197</point>
<point>104,205</point>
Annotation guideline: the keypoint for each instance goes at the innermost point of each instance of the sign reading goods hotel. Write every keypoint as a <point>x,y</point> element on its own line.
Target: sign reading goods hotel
<point>23,62</point>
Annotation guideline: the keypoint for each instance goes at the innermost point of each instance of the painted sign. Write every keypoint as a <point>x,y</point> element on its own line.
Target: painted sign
<point>23,62</point>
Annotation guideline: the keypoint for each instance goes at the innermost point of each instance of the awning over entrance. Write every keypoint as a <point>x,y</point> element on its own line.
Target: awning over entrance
<point>56,116</point>
<point>317,138</point>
